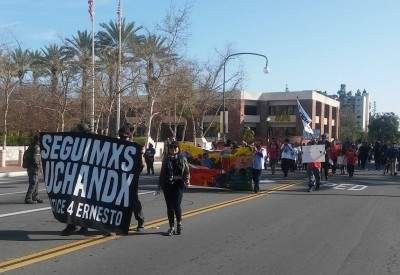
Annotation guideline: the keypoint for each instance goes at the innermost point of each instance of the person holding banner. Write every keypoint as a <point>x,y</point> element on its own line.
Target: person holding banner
<point>124,134</point>
<point>313,172</point>
<point>174,177</point>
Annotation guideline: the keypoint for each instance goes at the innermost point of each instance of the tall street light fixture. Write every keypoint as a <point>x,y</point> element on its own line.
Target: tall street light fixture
<point>266,71</point>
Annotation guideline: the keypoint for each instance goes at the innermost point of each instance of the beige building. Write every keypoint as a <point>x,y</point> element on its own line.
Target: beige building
<point>276,115</point>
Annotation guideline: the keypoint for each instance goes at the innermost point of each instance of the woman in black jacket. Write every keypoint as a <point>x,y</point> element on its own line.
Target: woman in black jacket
<point>174,177</point>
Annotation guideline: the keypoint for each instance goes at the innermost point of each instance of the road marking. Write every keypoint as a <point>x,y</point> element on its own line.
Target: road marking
<point>91,241</point>
<point>48,208</point>
<point>24,212</point>
<point>20,192</point>
<point>358,188</point>
<point>267,181</point>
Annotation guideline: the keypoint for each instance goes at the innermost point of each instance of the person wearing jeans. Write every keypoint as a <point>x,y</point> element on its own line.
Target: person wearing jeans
<point>258,163</point>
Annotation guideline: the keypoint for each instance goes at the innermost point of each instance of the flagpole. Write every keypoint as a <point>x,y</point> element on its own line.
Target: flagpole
<point>93,72</point>
<point>118,124</point>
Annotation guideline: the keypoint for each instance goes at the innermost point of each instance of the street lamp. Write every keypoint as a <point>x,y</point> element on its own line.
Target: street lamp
<point>266,71</point>
<point>268,121</point>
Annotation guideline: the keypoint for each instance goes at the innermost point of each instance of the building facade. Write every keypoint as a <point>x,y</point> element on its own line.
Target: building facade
<point>276,115</point>
<point>358,104</point>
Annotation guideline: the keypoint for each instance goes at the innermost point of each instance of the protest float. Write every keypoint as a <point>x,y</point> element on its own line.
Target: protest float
<point>226,168</point>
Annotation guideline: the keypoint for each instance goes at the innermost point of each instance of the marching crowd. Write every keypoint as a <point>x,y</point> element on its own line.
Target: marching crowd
<point>175,174</point>
<point>341,158</point>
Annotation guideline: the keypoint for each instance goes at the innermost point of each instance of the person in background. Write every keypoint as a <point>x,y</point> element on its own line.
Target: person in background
<point>363,153</point>
<point>174,177</point>
<point>378,155</point>
<point>392,158</point>
<point>33,164</point>
<point>273,153</point>
<point>351,158</point>
<point>325,165</point>
<point>287,156</point>
<point>257,166</point>
<point>313,172</point>
<point>149,158</point>
<point>341,162</point>
<point>265,156</point>
<point>206,161</point>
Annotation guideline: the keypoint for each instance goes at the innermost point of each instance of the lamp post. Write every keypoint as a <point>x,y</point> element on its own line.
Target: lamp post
<point>266,71</point>
<point>268,121</point>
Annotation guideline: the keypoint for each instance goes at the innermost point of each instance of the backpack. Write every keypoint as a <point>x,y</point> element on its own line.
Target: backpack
<point>27,159</point>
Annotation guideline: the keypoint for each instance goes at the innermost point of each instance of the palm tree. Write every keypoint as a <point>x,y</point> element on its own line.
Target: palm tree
<point>53,62</point>
<point>79,50</point>
<point>107,51</point>
<point>157,58</point>
<point>58,68</point>
<point>36,68</point>
<point>21,59</point>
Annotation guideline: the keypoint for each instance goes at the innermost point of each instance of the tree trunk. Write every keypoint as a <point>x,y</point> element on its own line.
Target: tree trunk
<point>7,98</point>
<point>158,131</point>
<point>184,130</point>
<point>152,101</point>
<point>194,129</point>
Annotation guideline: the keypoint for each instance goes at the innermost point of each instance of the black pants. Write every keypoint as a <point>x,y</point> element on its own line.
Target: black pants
<point>32,193</point>
<point>173,194</point>
<point>256,179</point>
<point>137,206</point>
<point>350,170</point>
<point>325,169</point>
<point>364,162</point>
<point>285,163</point>
<point>150,166</point>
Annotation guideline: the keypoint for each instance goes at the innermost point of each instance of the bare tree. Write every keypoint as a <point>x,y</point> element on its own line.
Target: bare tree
<point>8,83</point>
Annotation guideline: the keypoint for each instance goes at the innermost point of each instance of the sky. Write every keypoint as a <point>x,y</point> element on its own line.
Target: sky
<point>310,44</point>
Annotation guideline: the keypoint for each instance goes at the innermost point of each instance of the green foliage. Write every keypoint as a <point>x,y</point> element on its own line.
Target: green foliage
<point>384,127</point>
<point>248,134</point>
<point>17,140</point>
<point>140,140</point>
<point>349,130</point>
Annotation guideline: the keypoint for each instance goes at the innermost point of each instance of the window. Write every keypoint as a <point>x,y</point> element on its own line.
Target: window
<point>250,110</point>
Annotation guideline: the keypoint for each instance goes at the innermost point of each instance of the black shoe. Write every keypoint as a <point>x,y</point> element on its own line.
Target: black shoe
<point>29,201</point>
<point>83,231</point>
<point>39,200</point>
<point>170,232</point>
<point>68,230</point>
<point>179,229</point>
<point>317,187</point>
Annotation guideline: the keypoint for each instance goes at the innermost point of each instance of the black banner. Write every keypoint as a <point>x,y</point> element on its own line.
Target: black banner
<point>90,179</point>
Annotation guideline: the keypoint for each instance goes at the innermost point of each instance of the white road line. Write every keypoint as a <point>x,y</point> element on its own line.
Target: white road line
<point>21,192</point>
<point>48,208</point>
<point>24,212</point>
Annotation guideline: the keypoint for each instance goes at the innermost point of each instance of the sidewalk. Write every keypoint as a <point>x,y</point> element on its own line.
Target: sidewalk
<point>12,170</point>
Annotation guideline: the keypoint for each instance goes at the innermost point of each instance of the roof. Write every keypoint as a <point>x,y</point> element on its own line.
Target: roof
<point>292,95</point>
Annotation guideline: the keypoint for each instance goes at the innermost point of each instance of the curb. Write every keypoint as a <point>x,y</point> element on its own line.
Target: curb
<point>13,174</point>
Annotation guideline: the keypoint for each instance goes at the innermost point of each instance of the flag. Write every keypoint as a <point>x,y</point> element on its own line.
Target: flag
<point>91,9</point>
<point>305,118</point>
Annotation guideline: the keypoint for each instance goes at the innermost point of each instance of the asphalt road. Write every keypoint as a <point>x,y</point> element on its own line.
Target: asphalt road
<point>350,226</point>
